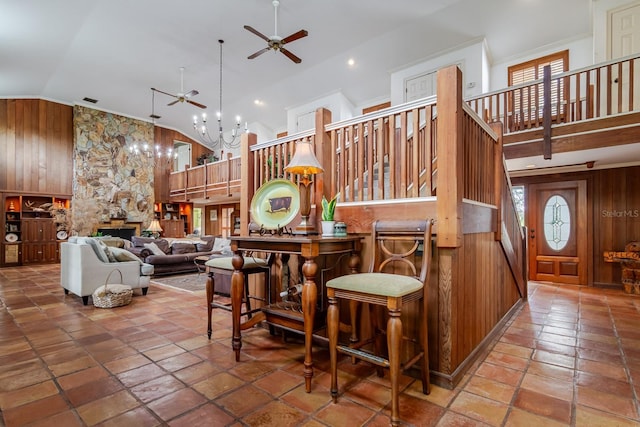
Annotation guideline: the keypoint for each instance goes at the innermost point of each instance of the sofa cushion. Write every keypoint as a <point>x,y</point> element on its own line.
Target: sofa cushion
<point>182,248</point>
<point>207,246</point>
<point>123,255</point>
<point>154,248</point>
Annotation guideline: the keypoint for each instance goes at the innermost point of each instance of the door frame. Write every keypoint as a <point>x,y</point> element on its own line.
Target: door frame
<point>585,252</point>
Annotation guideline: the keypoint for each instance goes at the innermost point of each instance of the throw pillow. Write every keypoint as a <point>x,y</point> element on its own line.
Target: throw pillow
<point>154,248</point>
<point>221,244</point>
<point>123,255</point>
<point>97,249</point>
<point>182,248</point>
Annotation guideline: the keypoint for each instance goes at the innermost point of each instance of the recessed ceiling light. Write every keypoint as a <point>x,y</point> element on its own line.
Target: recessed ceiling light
<point>351,62</point>
<point>258,102</point>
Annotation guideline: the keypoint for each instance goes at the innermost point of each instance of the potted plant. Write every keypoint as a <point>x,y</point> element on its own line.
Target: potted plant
<point>328,209</point>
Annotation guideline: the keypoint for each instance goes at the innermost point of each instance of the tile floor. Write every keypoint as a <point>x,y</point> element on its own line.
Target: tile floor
<point>571,356</point>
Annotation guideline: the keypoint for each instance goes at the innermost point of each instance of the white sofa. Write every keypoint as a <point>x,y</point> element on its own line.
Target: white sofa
<point>85,264</point>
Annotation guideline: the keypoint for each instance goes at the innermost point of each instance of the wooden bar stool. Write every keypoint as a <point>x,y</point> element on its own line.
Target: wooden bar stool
<point>219,267</point>
<point>393,280</point>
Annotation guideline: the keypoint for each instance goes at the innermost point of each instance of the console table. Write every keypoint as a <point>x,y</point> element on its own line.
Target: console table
<point>309,247</point>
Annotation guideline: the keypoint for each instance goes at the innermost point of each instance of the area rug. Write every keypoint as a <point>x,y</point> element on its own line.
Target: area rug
<point>186,282</point>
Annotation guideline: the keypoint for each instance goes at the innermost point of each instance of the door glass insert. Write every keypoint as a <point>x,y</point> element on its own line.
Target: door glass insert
<point>557,222</point>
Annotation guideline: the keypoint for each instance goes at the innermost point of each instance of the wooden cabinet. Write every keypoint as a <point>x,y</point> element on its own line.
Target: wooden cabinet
<point>39,240</point>
<point>175,218</point>
<point>32,224</point>
<point>172,227</point>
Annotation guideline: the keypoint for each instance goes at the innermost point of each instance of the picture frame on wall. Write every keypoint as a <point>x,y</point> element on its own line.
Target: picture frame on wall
<point>213,215</point>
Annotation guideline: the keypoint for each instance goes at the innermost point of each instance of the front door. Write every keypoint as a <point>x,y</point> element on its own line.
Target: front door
<point>558,232</point>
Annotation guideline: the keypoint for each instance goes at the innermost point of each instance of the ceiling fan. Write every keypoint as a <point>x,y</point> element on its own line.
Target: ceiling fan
<point>276,42</point>
<point>182,96</point>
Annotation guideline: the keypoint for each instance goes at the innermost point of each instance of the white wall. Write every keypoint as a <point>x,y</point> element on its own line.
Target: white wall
<point>471,59</point>
<point>341,109</point>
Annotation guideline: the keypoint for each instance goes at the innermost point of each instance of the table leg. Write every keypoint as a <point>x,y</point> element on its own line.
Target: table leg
<point>237,291</point>
<point>309,301</point>
<point>209,301</point>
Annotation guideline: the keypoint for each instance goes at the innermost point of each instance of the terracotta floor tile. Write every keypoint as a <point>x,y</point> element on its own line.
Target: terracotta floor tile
<point>552,371</point>
<point>308,402</point>
<point>138,417</point>
<point>275,414</point>
<point>595,398</point>
<point>218,384</point>
<point>452,419</point>
<point>243,401</point>
<point>173,404</point>
<point>108,407</point>
<point>548,386</point>
<point>554,359</point>
<point>93,390</point>
<point>279,382</point>
<point>157,387</point>
<point>605,369</point>
<point>139,375</point>
<point>208,414</point>
<point>543,405</point>
<point>36,410</point>
<point>586,416</point>
<point>520,418</point>
<point>151,364</point>
<point>344,413</point>
<point>480,408</point>
<point>15,398</point>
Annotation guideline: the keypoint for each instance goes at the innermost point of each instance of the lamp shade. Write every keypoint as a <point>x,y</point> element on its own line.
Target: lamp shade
<point>304,161</point>
<point>155,226</point>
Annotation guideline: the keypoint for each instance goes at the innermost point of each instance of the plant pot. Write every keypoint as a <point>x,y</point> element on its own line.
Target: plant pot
<point>327,228</point>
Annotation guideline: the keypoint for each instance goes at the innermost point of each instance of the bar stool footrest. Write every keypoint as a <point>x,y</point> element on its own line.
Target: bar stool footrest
<point>364,355</point>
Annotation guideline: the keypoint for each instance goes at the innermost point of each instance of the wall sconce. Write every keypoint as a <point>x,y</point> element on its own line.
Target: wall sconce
<point>155,228</point>
<point>305,163</point>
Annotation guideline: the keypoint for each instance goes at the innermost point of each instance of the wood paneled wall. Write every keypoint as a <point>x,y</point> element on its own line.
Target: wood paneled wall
<point>36,146</point>
<point>613,198</point>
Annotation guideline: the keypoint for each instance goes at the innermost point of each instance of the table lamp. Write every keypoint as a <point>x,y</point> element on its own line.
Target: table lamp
<point>155,228</point>
<point>305,163</point>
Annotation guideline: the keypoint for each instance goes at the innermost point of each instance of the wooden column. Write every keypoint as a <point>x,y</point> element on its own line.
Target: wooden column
<point>324,181</point>
<point>450,160</point>
<point>247,140</point>
<point>499,174</point>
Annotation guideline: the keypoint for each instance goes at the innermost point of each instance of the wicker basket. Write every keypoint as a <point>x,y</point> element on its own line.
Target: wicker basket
<point>112,295</point>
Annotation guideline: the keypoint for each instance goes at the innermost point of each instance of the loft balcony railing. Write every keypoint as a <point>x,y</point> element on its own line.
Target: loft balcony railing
<point>603,90</point>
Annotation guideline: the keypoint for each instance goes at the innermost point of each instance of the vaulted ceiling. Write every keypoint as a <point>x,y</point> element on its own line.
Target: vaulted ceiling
<point>115,50</point>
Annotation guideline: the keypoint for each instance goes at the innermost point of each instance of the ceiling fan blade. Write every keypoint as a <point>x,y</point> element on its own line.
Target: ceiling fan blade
<point>174,102</point>
<point>256,32</point>
<point>196,104</point>
<point>290,55</point>
<point>166,93</point>
<point>295,36</point>
<point>191,93</point>
<point>258,53</point>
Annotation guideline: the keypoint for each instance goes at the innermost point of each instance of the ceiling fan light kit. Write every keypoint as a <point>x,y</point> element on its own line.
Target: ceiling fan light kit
<point>276,42</point>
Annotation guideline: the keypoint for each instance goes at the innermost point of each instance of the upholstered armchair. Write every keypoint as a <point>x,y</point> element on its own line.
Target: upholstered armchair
<point>86,263</point>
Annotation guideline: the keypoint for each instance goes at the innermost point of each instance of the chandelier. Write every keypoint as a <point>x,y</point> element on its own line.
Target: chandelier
<point>202,129</point>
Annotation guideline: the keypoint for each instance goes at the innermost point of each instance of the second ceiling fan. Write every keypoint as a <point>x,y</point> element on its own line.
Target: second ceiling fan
<point>276,42</point>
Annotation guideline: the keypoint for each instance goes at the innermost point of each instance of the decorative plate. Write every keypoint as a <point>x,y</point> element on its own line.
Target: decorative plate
<point>61,235</point>
<point>11,237</point>
<point>275,204</point>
